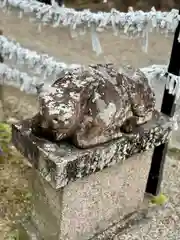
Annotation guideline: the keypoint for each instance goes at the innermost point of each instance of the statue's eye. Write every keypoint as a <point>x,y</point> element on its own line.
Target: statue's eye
<point>55,120</point>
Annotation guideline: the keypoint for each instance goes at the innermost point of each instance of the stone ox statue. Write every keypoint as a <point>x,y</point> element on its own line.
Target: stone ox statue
<point>94,105</point>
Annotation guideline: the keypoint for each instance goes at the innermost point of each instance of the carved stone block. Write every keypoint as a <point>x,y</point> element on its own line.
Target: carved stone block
<point>80,192</point>
<point>94,105</point>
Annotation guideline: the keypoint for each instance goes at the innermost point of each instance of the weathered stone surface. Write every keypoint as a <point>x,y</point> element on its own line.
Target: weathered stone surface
<point>93,203</point>
<point>89,205</point>
<point>47,207</point>
<point>78,193</point>
<point>94,105</point>
<point>61,163</point>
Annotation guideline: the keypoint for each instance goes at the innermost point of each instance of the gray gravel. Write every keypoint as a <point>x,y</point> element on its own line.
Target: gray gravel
<point>164,222</point>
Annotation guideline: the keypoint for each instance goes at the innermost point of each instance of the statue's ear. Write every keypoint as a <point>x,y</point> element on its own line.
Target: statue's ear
<point>39,88</point>
<point>60,76</point>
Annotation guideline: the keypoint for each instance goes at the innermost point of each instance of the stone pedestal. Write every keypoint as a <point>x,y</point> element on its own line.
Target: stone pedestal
<point>79,193</point>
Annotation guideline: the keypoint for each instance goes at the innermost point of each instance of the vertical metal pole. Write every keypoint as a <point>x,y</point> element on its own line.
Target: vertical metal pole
<point>1,86</point>
<point>168,108</point>
<point>1,58</point>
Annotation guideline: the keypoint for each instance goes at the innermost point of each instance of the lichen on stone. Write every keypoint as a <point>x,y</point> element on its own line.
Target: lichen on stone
<point>94,105</point>
<point>63,162</point>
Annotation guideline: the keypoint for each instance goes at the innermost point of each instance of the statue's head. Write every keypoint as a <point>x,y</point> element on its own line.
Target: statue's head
<point>60,111</point>
<point>62,104</point>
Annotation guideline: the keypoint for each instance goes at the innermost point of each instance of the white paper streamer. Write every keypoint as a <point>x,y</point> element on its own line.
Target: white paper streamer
<point>41,64</point>
<point>136,20</point>
<point>155,72</point>
<point>145,40</point>
<point>48,66</point>
<point>173,85</point>
<point>15,78</point>
<point>160,72</point>
<point>174,120</point>
<point>96,46</point>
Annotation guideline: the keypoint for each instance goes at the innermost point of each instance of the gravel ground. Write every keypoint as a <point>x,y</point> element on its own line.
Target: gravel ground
<point>165,223</point>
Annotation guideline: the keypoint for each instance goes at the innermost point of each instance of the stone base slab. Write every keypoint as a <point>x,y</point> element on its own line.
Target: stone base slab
<point>90,205</point>
<point>142,214</point>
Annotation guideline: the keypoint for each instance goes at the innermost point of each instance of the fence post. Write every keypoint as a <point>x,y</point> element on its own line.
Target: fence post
<point>168,107</point>
<point>1,85</point>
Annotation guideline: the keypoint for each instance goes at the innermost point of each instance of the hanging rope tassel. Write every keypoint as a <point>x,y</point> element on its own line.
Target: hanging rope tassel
<point>96,46</point>
<point>173,85</point>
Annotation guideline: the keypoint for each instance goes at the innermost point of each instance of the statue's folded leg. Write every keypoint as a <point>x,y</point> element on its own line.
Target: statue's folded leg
<point>85,140</point>
<point>129,125</point>
<point>132,124</point>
